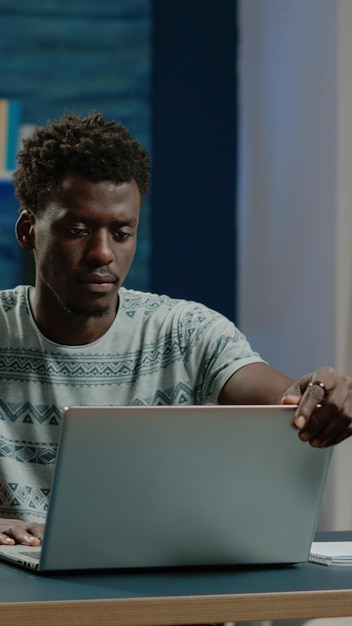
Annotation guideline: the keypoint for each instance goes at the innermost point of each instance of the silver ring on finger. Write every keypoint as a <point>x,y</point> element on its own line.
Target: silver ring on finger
<point>320,384</point>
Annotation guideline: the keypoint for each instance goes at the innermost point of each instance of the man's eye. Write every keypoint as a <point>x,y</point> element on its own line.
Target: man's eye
<point>121,235</point>
<point>77,232</point>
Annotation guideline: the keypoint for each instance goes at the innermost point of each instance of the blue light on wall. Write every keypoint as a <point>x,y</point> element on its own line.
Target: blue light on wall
<point>63,55</point>
<point>11,260</point>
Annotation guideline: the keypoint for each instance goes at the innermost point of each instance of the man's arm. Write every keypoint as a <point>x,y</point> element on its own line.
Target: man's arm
<point>14,531</point>
<point>324,399</point>
<point>257,383</point>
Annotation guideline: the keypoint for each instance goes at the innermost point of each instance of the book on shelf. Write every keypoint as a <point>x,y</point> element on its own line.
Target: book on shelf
<point>331,552</point>
<point>10,119</point>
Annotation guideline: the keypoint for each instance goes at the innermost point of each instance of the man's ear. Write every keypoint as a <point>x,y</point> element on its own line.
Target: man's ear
<point>25,230</point>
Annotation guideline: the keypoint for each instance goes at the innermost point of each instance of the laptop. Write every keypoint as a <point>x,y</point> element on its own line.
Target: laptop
<point>171,486</point>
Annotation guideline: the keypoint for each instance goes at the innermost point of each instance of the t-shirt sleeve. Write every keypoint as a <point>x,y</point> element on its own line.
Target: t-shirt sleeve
<point>217,349</point>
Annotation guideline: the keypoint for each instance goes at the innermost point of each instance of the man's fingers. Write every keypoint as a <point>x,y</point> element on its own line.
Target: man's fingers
<point>5,540</point>
<point>37,530</point>
<point>20,535</point>
<point>326,426</point>
<point>12,532</point>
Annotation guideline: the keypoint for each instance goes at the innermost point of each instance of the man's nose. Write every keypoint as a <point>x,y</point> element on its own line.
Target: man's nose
<point>99,248</point>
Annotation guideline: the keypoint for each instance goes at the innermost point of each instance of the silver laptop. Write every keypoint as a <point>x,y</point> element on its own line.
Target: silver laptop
<point>140,487</point>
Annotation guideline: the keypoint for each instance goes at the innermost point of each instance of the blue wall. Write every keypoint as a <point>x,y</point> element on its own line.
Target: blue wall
<point>194,102</point>
<point>167,70</point>
<point>11,259</point>
<point>80,55</point>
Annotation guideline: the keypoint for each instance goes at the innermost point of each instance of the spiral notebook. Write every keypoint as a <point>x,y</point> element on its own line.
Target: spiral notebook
<point>331,552</point>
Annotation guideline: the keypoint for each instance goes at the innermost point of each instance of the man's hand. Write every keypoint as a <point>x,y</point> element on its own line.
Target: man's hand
<point>14,531</point>
<point>324,412</point>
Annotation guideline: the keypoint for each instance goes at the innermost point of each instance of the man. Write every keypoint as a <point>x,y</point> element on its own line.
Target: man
<point>79,337</point>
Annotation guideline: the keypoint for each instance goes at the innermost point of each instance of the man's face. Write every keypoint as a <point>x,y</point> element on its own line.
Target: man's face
<point>84,243</point>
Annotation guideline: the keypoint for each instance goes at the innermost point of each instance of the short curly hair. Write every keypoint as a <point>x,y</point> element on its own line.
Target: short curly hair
<point>90,147</point>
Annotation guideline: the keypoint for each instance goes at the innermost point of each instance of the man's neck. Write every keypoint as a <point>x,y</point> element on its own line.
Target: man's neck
<point>66,328</point>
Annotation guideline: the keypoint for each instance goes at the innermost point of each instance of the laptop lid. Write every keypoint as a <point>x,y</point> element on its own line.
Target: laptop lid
<point>181,486</point>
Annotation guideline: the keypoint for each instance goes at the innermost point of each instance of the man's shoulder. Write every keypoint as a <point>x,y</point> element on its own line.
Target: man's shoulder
<point>12,298</point>
<point>142,307</point>
<point>146,303</point>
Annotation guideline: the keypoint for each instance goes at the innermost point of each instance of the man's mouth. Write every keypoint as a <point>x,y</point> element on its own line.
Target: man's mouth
<point>96,282</point>
<point>98,279</point>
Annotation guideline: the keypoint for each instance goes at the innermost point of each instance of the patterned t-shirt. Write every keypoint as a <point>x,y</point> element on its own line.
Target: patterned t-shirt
<point>158,350</point>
